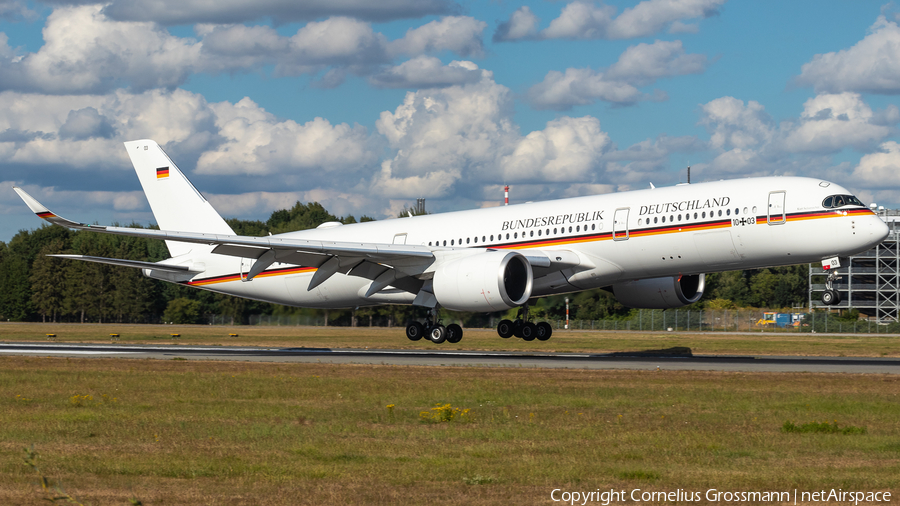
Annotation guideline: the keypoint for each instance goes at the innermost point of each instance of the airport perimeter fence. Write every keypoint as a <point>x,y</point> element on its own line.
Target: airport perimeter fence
<point>652,320</point>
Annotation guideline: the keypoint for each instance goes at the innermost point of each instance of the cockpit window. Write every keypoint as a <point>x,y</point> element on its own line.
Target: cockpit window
<point>835,201</point>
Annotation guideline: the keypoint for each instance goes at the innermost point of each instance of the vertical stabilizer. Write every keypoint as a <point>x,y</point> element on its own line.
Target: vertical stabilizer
<point>175,203</point>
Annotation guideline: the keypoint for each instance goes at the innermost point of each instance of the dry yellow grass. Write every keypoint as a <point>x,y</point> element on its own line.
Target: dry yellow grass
<point>193,432</point>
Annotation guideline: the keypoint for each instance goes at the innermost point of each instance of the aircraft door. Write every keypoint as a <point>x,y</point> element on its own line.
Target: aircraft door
<point>400,238</point>
<point>620,224</point>
<point>776,208</point>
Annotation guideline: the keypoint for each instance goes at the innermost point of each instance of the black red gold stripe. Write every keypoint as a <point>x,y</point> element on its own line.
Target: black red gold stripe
<point>162,172</point>
<point>46,214</point>
<point>674,229</point>
<point>237,277</point>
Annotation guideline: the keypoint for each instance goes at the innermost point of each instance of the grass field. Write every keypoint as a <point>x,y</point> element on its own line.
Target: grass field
<point>191,432</point>
<point>768,343</point>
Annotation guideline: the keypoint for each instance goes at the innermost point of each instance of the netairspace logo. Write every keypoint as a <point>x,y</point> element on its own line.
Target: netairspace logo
<point>606,497</point>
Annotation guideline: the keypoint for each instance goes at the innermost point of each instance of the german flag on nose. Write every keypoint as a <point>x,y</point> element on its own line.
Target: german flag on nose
<point>162,173</point>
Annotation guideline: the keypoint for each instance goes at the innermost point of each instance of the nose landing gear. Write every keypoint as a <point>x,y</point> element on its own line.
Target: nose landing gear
<point>523,328</point>
<point>830,296</point>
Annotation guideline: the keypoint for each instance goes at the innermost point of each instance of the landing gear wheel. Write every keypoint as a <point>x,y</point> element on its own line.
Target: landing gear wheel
<point>517,328</point>
<point>830,297</point>
<point>837,297</point>
<point>454,333</point>
<point>505,329</point>
<point>437,334</point>
<point>415,331</point>
<point>544,331</point>
<point>529,331</point>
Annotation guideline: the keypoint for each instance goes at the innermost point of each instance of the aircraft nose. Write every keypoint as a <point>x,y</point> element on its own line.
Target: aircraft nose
<point>878,229</point>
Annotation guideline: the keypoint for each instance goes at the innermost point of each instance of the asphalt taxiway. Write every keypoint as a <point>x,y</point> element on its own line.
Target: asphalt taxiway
<point>672,359</point>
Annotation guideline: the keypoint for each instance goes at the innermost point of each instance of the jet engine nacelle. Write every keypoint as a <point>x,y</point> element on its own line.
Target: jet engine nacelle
<point>661,293</point>
<point>484,282</point>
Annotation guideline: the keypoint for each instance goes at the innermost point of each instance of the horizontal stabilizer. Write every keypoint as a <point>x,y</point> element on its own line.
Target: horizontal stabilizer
<point>130,263</point>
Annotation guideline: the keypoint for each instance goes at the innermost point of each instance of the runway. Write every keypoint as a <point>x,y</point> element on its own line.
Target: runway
<point>673,359</point>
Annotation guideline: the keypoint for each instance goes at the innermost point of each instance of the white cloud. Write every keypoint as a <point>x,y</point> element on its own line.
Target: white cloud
<point>581,20</point>
<point>734,125</point>
<point>643,64</point>
<point>180,12</point>
<point>258,143</point>
<point>522,24</point>
<point>461,142</point>
<point>639,65</point>
<point>460,34</point>
<point>562,91</point>
<point>85,132</point>
<point>879,169</point>
<point>85,53</point>
<point>14,10</point>
<point>567,150</point>
<point>871,65</point>
<point>652,16</point>
<point>426,72</point>
<point>587,20</point>
<point>832,122</point>
<point>747,142</point>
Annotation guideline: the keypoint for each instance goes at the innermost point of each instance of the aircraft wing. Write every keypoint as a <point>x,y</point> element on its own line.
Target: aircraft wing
<point>397,265</point>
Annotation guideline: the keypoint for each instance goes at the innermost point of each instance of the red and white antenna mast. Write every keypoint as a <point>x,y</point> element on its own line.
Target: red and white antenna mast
<point>506,195</point>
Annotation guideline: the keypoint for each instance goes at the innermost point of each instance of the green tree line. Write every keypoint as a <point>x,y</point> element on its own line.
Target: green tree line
<point>37,287</point>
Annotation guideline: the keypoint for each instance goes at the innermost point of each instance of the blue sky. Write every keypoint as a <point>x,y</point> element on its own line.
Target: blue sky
<point>365,106</point>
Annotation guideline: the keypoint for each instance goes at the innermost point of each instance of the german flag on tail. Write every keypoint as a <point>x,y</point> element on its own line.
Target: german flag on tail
<point>162,173</point>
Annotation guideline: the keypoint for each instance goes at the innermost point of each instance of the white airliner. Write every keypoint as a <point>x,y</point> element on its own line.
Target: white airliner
<point>651,247</point>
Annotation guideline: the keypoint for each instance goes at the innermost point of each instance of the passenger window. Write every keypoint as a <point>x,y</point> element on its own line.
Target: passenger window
<point>539,233</point>
<point>467,240</point>
<point>720,212</point>
<point>663,219</point>
<point>728,212</point>
<point>451,242</point>
<point>736,211</point>
<point>578,228</point>
<point>515,235</point>
<point>570,230</point>
<point>483,238</point>
<point>554,231</point>
<point>507,235</point>
<point>655,220</point>
<point>679,217</point>
<point>532,233</point>
<point>704,214</point>
<point>445,242</point>
<point>695,216</point>
<point>593,226</point>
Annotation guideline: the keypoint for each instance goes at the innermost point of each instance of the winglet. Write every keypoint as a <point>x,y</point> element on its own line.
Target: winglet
<point>42,212</point>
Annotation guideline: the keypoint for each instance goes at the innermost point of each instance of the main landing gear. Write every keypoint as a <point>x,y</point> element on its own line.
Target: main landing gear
<point>433,330</point>
<point>830,296</point>
<point>523,328</point>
